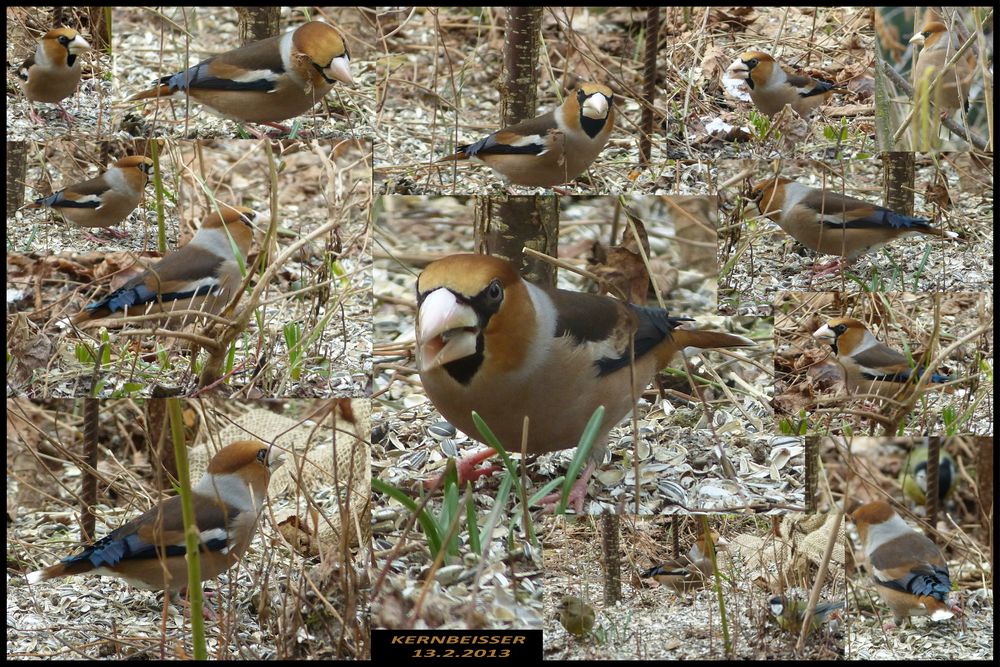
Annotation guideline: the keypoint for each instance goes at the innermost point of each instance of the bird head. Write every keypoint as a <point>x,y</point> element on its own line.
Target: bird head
<point>140,162</point>
<point>769,194</point>
<point>595,100</point>
<point>66,40</point>
<point>845,335</point>
<point>323,48</point>
<point>754,67</point>
<point>777,605</point>
<point>239,465</point>
<point>929,34</point>
<point>238,222</point>
<point>872,514</point>
<point>471,307</point>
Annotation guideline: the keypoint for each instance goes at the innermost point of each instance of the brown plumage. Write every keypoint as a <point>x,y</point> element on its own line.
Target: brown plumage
<point>267,81</point>
<point>105,200</point>
<point>492,342</point>
<point>53,72</point>
<point>149,551</point>
<point>834,224</point>
<point>910,573</point>
<point>691,571</point>
<point>202,275</point>
<point>939,46</point>
<point>772,86</point>
<point>551,149</point>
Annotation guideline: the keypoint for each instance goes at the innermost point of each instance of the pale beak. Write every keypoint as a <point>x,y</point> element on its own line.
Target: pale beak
<point>274,459</point>
<point>825,332</point>
<point>340,69</point>
<point>596,107</point>
<point>739,69</point>
<point>447,330</point>
<point>918,39</point>
<point>78,45</point>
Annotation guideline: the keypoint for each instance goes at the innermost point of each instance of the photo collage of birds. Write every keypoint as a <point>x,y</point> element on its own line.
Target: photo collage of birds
<point>423,334</point>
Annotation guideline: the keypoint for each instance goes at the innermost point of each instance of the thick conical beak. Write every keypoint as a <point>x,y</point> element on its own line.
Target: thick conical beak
<point>446,330</point>
<point>596,107</point>
<point>340,69</point>
<point>825,332</point>
<point>78,45</point>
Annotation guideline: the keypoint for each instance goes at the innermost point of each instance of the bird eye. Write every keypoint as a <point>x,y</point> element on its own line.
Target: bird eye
<point>64,40</point>
<point>262,456</point>
<point>840,328</point>
<point>495,291</point>
<point>581,96</point>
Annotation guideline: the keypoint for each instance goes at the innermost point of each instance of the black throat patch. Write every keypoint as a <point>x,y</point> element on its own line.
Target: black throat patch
<point>592,126</point>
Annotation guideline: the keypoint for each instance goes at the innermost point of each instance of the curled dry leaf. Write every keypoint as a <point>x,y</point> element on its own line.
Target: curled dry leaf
<point>28,348</point>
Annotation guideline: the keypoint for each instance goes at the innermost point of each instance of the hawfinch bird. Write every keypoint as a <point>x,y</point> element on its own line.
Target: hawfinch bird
<point>790,612</point>
<point>52,74</point>
<point>913,475</point>
<point>772,86</point>
<point>576,616</point>
<point>149,551</point>
<point>267,81</point>
<point>105,200</point>
<point>202,275</point>
<point>688,572</point>
<point>869,366</point>
<point>551,149</point>
<point>939,46</point>
<point>492,342</point>
<point>834,224</point>
<point>911,575</point>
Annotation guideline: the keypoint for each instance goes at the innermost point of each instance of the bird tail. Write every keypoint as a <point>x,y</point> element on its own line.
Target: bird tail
<point>460,154</point>
<point>824,609</point>
<point>60,570</point>
<point>941,233</point>
<point>152,93</point>
<point>94,311</point>
<point>708,339</point>
<point>653,571</point>
<point>664,571</point>
<point>939,611</point>
<point>680,339</point>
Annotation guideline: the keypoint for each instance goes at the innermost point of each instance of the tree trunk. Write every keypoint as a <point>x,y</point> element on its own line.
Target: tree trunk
<point>649,84</point>
<point>504,225</point>
<point>984,478</point>
<point>897,181</point>
<point>88,480</point>
<point>257,23</point>
<point>17,165</point>
<point>610,529</point>
<point>520,57</point>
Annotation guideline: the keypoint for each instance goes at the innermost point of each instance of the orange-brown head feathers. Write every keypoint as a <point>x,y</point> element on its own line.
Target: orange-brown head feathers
<point>466,274</point>
<point>754,67</point>
<point>768,194</point>
<point>250,460</point>
<point>844,334</point>
<point>66,39</point>
<point>325,50</point>
<point>138,161</point>
<point>873,513</point>
<point>932,31</point>
<point>473,306</point>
